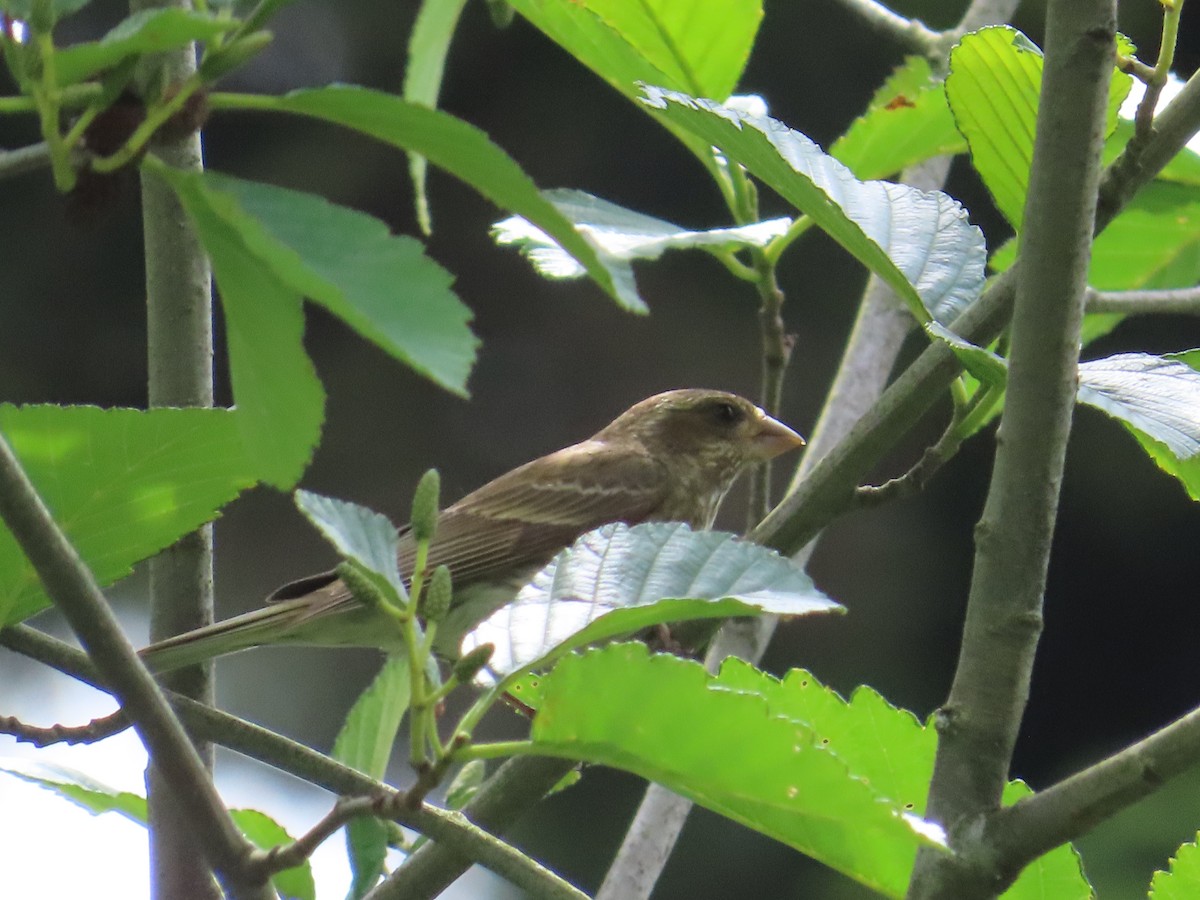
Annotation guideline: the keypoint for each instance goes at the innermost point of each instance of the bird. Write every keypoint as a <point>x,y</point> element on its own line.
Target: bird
<point>671,457</point>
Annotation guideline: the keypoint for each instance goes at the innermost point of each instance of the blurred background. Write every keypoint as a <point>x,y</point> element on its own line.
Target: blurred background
<point>558,361</point>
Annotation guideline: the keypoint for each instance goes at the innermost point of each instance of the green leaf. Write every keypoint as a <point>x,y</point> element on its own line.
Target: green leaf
<point>1149,394</point>
<point>618,579</point>
<point>1057,874</point>
<point>380,284</point>
<point>122,483</point>
<point>920,243</point>
<point>993,86</point>
<point>701,48</point>
<point>365,743</point>
<point>366,844</point>
<point>1182,881</point>
<point>23,9</point>
<point>885,746</point>
<point>427,48</point>
<point>907,122</point>
<point>147,31</point>
<point>449,143</point>
<point>666,719</point>
<point>1154,242</point>
<point>466,784</point>
<point>986,366</point>
<point>361,536</point>
<point>1186,470</point>
<point>619,236</point>
<point>280,401</point>
<point>295,883</point>
<point>82,790</point>
<point>697,48</point>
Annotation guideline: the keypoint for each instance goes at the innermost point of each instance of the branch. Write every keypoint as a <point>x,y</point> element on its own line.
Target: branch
<point>776,353</point>
<point>27,159</point>
<point>179,314</point>
<point>1036,824</point>
<point>93,731</point>
<point>1185,301</point>
<point>978,725</point>
<point>517,785</point>
<point>911,34</point>
<point>74,591</point>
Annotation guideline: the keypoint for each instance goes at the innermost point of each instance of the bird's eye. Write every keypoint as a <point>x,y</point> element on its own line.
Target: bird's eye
<point>726,413</point>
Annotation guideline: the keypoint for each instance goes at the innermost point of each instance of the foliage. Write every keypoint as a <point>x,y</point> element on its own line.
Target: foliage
<point>842,780</point>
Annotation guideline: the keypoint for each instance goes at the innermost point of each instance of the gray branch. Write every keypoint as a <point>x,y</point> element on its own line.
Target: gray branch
<point>1182,301</point>
<point>978,725</point>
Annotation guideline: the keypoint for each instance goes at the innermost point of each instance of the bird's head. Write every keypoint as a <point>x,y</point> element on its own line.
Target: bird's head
<point>715,431</point>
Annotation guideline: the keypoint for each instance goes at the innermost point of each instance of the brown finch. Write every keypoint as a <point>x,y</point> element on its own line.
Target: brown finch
<point>671,457</point>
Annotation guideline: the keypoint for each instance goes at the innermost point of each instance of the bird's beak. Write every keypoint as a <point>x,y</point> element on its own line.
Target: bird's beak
<point>773,437</point>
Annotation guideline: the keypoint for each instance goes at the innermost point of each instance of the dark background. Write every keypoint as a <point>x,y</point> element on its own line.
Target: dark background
<point>559,360</point>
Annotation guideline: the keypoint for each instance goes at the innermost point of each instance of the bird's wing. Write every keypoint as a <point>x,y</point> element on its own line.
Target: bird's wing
<point>527,515</point>
<point>521,519</point>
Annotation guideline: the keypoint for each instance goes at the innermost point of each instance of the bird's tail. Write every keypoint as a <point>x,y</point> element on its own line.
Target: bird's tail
<point>267,625</point>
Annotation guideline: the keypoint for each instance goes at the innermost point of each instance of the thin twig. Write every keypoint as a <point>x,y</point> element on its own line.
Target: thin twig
<point>911,34</point>
<point>1143,120</point>
<point>25,159</point>
<point>916,478</point>
<point>1185,301</point>
<point>776,353</point>
<point>95,730</point>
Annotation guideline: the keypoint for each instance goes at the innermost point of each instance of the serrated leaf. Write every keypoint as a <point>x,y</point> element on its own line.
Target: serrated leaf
<point>618,579</point>
<point>619,236</point>
<point>361,536</point>
<point>993,86</point>
<point>1182,880</point>
<point>280,401</point>
<point>884,745</point>
<point>366,739</point>
<point>121,483</point>
<point>449,143</point>
<point>907,121</point>
<point>428,45</point>
<point>82,790</point>
<point>920,243</point>
<point>1156,396</point>
<point>146,31</point>
<point>668,720</point>
<point>380,284</point>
